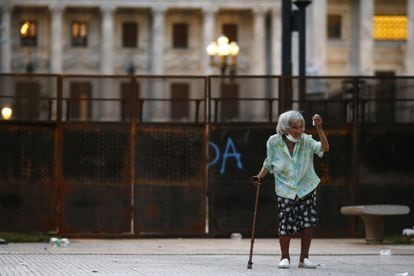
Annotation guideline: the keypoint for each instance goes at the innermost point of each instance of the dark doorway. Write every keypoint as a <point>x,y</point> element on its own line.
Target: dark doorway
<point>80,101</point>
<point>229,101</point>
<point>27,102</point>
<point>385,95</point>
<point>126,90</point>
<point>180,94</point>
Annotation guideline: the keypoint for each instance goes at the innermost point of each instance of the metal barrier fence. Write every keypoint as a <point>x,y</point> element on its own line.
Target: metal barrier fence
<point>172,155</point>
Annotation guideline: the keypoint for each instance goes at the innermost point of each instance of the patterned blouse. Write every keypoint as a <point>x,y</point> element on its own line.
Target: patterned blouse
<point>294,175</point>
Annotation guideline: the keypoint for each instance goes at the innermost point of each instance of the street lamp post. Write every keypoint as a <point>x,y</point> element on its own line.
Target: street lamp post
<point>285,102</point>
<point>301,25</point>
<point>224,55</point>
<point>293,21</point>
<point>286,38</point>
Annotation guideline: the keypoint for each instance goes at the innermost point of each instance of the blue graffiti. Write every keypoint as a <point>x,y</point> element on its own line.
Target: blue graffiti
<point>216,153</point>
<point>229,152</point>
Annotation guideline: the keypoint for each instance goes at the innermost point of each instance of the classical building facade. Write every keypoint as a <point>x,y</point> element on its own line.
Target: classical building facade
<point>170,37</point>
<point>102,37</point>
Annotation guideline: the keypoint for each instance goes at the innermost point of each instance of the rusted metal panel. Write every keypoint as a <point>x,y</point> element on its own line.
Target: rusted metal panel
<point>101,177</point>
<point>169,191</point>
<point>169,210</point>
<point>26,178</point>
<point>386,173</point>
<point>334,191</point>
<point>95,190</point>
<point>237,153</point>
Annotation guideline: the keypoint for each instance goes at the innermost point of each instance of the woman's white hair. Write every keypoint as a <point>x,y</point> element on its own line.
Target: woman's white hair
<point>286,120</point>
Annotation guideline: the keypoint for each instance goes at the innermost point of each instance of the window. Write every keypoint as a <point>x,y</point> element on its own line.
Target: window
<point>130,35</point>
<point>79,34</point>
<point>80,104</point>
<point>126,101</point>
<point>230,30</point>
<point>229,102</point>
<point>180,35</point>
<point>180,94</point>
<point>334,26</point>
<point>390,27</point>
<point>28,33</point>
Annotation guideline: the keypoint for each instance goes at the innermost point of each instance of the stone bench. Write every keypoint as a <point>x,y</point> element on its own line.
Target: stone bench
<point>373,217</point>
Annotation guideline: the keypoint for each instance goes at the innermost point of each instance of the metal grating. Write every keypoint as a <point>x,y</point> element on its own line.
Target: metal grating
<point>169,182</point>
<point>95,188</point>
<point>26,178</point>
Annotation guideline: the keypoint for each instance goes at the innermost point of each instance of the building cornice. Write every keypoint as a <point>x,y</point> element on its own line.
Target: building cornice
<point>188,4</point>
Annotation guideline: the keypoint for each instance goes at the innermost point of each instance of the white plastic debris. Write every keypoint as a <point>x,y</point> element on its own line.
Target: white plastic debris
<point>65,242</point>
<point>408,232</point>
<point>54,241</point>
<point>59,242</point>
<point>385,252</point>
<point>236,236</point>
<point>402,274</point>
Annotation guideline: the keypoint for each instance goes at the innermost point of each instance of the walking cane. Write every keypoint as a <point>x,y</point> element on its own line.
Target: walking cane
<point>250,263</point>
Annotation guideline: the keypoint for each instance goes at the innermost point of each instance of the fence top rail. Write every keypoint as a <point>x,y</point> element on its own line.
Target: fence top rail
<point>150,76</point>
<point>27,97</point>
<point>348,77</point>
<point>121,76</point>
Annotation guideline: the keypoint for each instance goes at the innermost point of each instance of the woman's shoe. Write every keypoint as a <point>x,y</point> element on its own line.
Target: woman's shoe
<point>307,264</point>
<point>284,263</point>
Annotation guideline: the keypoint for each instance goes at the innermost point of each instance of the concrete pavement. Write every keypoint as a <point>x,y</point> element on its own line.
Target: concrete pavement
<point>201,257</point>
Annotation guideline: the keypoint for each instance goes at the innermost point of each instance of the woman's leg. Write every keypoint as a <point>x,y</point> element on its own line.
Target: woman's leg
<point>309,219</point>
<point>285,207</point>
<point>284,246</point>
<point>306,238</point>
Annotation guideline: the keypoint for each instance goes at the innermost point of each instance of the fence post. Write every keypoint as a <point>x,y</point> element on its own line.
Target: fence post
<point>285,94</point>
<point>58,173</point>
<point>354,148</point>
<point>132,139</point>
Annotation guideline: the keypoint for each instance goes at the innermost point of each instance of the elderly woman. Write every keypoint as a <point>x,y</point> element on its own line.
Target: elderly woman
<point>290,159</point>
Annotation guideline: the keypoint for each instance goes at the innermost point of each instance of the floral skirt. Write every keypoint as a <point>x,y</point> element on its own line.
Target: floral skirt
<point>297,214</point>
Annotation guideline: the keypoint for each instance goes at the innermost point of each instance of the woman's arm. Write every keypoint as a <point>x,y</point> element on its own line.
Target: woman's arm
<point>257,179</point>
<point>262,173</point>
<point>317,119</point>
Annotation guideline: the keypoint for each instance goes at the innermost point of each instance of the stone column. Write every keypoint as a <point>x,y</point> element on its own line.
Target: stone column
<point>366,45</point>
<point>56,39</point>
<point>6,38</point>
<point>259,35</point>
<point>402,114</point>
<point>157,110</point>
<point>209,24</point>
<point>277,38</point>
<point>158,45</point>
<point>316,37</point>
<point>255,109</point>
<point>276,54</point>
<point>107,39</point>
<point>409,49</point>
<point>106,110</point>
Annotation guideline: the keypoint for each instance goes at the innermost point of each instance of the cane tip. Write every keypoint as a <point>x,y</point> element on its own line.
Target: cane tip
<point>249,265</point>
